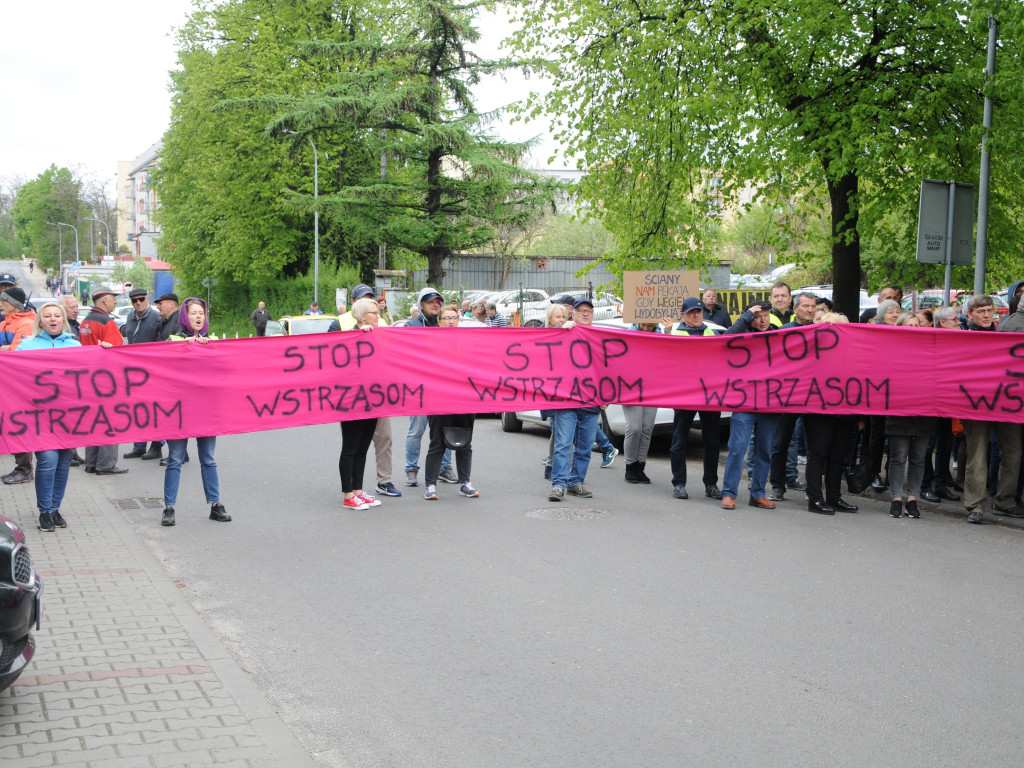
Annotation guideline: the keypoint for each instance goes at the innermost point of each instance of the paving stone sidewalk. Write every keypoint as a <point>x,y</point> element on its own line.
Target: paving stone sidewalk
<point>126,673</point>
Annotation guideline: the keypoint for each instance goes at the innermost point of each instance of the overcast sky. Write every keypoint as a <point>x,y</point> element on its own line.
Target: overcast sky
<point>61,58</point>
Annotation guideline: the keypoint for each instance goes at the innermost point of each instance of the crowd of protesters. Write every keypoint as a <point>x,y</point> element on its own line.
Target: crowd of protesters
<point>910,458</point>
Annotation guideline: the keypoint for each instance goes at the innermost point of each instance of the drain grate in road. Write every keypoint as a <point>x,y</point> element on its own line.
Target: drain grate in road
<point>138,503</point>
<point>566,513</point>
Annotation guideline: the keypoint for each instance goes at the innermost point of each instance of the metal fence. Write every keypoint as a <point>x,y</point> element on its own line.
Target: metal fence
<point>484,273</point>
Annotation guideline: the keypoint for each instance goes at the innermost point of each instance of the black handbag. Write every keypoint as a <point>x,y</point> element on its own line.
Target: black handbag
<point>859,478</point>
<point>458,438</point>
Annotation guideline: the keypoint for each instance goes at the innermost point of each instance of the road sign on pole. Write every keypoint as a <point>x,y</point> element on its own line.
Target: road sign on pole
<point>940,201</point>
<point>128,285</point>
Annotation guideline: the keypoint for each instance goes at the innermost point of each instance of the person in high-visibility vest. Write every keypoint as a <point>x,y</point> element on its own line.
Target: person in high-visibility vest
<point>782,301</point>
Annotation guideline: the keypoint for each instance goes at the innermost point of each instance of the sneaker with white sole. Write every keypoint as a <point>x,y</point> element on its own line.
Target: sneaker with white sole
<point>430,493</point>
<point>607,457</point>
<point>579,490</point>
<point>411,477</point>
<point>557,493</point>
<point>354,502</point>
<point>468,490</point>
<point>368,500</point>
<point>448,475</point>
<point>388,489</point>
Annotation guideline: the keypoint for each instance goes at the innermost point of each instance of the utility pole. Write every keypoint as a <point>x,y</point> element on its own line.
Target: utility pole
<point>981,246</point>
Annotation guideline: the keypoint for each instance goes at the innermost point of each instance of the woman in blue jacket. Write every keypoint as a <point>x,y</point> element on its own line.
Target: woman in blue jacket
<point>50,330</point>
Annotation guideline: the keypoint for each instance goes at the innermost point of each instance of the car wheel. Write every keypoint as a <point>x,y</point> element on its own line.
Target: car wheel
<point>509,422</point>
<point>533,324</point>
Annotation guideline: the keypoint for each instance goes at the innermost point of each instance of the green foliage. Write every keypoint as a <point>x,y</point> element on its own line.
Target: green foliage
<point>227,189</point>
<point>449,186</point>
<point>53,196</point>
<point>572,236</point>
<point>860,99</point>
<point>139,273</point>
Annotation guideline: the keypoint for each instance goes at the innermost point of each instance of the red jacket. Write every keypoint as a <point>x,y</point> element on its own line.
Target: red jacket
<point>99,326</point>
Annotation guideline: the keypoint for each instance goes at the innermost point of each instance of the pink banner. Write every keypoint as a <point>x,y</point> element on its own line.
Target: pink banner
<point>91,396</point>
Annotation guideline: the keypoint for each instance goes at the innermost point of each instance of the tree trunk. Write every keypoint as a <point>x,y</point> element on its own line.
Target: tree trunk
<point>434,252</point>
<point>845,245</point>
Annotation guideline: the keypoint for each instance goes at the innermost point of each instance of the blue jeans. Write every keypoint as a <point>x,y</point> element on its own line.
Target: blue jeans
<point>603,443</point>
<point>52,468</point>
<point>413,440</point>
<point>575,430</point>
<point>762,426</point>
<point>208,465</point>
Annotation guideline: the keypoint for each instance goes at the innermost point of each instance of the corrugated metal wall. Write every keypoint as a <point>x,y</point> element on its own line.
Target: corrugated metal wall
<point>484,273</point>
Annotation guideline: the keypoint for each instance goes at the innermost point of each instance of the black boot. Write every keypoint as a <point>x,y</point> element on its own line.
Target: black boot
<point>640,476</point>
<point>631,473</point>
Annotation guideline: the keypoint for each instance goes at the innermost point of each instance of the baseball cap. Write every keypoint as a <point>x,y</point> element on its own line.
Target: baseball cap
<point>691,303</point>
<point>362,291</point>
<point>583,300</point>
<point>429,294</point>
<point>100,293</point>
<point>565,299</point>
<point>6,277</point>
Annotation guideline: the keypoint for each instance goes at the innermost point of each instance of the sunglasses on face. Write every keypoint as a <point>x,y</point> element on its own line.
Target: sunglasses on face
<point>139,300</point>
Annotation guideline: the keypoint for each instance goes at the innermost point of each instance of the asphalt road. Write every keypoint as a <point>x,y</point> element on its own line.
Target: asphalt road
<point>627,630</point>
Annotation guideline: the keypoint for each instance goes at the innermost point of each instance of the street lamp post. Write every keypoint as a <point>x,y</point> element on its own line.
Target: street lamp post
<point>101,221</point>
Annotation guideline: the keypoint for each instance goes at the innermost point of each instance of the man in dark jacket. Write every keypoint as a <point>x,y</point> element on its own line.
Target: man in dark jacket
<point>981,317</point>
<point>756,319</point>
<point>1014,323</point>
<point>429,302</point>
<point>167,306</point>
<point>259,319</point>
<point>71,307</point>
<point>710,421</point>
<point>713,311</point>
<point>142,326</point>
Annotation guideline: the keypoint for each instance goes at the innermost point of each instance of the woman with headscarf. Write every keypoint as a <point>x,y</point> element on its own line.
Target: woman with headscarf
<point>889,312</point>
<point>50,330</point>
<point>193,328</point>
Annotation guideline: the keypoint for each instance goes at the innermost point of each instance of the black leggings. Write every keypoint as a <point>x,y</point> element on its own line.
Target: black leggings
<point>356,437</point>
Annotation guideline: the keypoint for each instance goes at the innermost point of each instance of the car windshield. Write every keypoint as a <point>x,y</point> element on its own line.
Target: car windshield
<point>311,324</point>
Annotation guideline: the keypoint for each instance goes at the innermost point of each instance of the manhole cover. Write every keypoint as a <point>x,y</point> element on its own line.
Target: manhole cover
<point>566,513</point>
<point>138,503</point>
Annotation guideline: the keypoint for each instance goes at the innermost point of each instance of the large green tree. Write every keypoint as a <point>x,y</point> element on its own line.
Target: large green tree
<point>53,196</point>
<point>863,98</point>
<point>449,185</point>
<point>223,183</point>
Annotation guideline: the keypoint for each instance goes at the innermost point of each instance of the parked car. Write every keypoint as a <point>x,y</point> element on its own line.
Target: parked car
<point>613,420</point>
<point>867,301</point>
<point>931,299</point>
<point>507,302</point>
<point>302,324</point>
<point>21,593</point>
<point>607,306</point>
<point>274,328</point>
<point>464,322</point>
